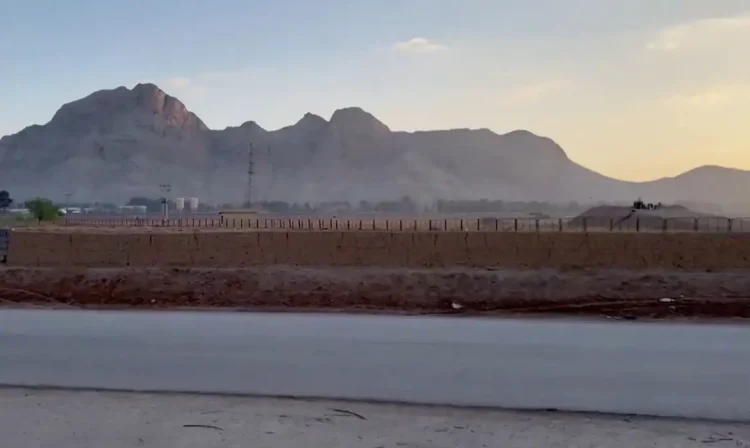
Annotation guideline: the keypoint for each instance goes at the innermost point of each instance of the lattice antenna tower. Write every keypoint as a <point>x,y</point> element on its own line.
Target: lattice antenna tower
<point>250,173</point>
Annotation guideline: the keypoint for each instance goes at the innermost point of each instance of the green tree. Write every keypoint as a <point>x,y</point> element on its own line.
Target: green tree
<point>43,209</point>
<point>5,200</point>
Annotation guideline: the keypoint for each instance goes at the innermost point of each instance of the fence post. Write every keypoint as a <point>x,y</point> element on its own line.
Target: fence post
<point>497,225</point>
<point>559,224</point>
<point>461,223</point>
<point>611,224</point>
<point>360,224</point>
<point>664,224</point>
<point>585,224</point>
<point>515,225</point>
<point>429,224</point>
<point>445,225</point>
<point>638,224</point>
<point>373,224</point>
<point>415,225</point>
<point>536,224</point>
<point>348,225</point>
<point>400,224</point>
<point>387,226</point>
<point>729,225</point>
<point>695,224</point>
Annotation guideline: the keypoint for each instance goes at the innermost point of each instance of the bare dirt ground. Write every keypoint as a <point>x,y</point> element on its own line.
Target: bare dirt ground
<point>611,293</point>
<point>75,419</point>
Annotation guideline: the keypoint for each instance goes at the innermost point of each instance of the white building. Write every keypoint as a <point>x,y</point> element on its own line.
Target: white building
<point>193,204</point>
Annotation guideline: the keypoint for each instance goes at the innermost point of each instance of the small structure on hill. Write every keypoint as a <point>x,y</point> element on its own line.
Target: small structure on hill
<point>227,215</point>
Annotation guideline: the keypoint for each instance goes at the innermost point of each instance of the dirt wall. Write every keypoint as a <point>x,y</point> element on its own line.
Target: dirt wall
<point>385,249</point>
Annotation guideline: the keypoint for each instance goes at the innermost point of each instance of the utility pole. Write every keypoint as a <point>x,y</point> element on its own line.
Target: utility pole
<point>165,190</point>
<point>250,172</point>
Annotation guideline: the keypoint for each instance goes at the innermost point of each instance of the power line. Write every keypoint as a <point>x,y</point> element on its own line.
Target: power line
<point>165,190</point>
<point>250,173</point>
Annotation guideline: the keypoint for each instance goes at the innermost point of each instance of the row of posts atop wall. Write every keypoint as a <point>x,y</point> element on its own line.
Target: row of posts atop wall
<point>480,224</point>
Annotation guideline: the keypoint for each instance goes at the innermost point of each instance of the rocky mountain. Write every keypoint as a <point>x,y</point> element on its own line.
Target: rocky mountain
<point>115,144</point>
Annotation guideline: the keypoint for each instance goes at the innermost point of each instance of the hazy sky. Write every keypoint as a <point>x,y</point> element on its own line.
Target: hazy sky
<point>635,89</point>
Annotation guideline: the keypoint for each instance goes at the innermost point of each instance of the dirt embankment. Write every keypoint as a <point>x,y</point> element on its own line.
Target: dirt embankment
<point>616,293</point>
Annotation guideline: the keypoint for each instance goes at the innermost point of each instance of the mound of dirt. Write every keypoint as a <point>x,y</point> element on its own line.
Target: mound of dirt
<point>664,218</point>
<point>614,293</point>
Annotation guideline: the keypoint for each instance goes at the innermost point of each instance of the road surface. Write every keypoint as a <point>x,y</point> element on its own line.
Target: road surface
<point>675,370</point>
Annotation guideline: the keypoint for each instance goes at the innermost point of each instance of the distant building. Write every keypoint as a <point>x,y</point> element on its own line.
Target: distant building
<point>137,209</point>
<point>193,204</point>
<point>18,211</point>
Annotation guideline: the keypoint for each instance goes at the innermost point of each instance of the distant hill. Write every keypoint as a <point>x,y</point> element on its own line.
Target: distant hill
<point>115,144</point>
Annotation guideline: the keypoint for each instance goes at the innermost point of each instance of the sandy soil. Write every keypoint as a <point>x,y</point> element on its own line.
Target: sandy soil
<point>614,293</point>
<point>74,419</point>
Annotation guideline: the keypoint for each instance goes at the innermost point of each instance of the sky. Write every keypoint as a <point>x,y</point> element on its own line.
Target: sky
<point>634,89</point>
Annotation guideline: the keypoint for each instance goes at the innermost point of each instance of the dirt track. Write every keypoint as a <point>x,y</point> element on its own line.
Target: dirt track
<point>618,293</point>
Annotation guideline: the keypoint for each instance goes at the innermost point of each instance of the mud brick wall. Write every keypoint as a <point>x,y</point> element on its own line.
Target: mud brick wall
<point>387,249</point>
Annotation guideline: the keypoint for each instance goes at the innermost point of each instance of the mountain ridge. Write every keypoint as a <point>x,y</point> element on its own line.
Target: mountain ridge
<point>117,143</point>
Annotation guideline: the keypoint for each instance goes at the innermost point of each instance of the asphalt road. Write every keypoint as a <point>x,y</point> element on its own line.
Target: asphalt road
<point>675,370</point>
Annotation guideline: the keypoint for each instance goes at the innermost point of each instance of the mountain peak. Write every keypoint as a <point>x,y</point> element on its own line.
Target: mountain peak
<point>309,123</point>
<point>527,139</point>
<point>147,88</point>
<point>145,97</point>
<point>156,101</point>
<point>356,118</point>
<point>310,118</point>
